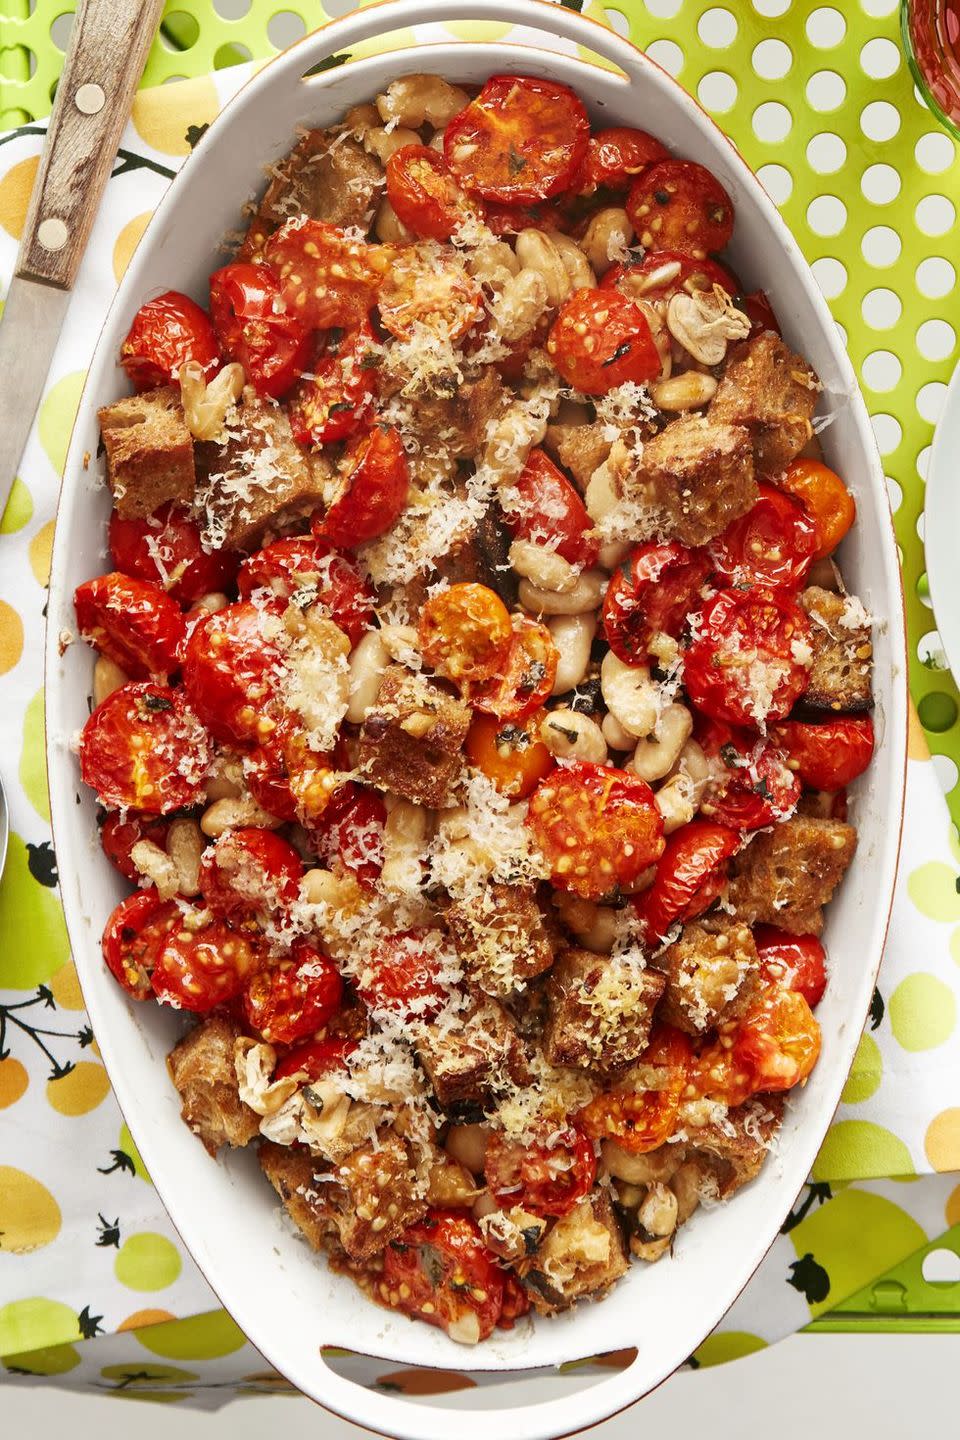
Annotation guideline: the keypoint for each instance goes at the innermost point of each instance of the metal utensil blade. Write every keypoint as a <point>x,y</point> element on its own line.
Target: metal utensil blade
<point>29,329</point>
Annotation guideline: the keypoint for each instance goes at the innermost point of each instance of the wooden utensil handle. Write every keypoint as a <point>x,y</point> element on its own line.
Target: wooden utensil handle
<point>108,50</point>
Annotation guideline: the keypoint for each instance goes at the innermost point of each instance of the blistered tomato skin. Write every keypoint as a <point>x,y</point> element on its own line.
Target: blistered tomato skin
<point>798,962</point>
<point>119,833</point>
<point>520,141</point>
<point>679,205</point>
<point>349,834</point>
<point>643,1118</point>
<point>525,678</point>
<point>167,332</point>
<point>257,328</point>
<point>544,507</point>
<point>439,1270</point>
<point>337,399</point>
<point>424,194</point>
<point>464,633</point>
<point>828,501</point>
<point>510,753</point>
<point>402,977</point>
<point>315,1058</point>
<point>615,157</point>
<point>653,591</point>
<point>547,1180</point>
<point>167,550</point>
<point>289,565</point>
<point>689,878</point>
<point>661,274</point>
<point>600,340</point>
<point>230,674</point>
<point>294,997</point>
<point>774,544</point>
<point>831,754</point>
<point>324,277</point>
<point>249,873</point>
<point>133,623</point>
<point>752,785</point>
<point>372,491</point>
<point>749,660</point>
<point>202,963</point>
<point>144,749</point>
<point>132,938</point>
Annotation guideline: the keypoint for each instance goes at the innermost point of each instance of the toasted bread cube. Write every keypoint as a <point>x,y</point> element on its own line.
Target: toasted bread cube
<point>705,970</point>
<point>292,1173</point>
<point>581,449</point>
<point>374,1195</point>
<point>324,177</point>
<point>201,1067</point>
<point>600,1010</point>
<point>480,554</point>
<point>842,670</point>
<point>786,875</point>
<point>149,449</point>
<point>468,1060</point>
<point>773,392</point>
<point>582,1255</point>
<point>501,938</point>
<point>698,475</point>
<point>734,1150</point>
<point>412,738</point>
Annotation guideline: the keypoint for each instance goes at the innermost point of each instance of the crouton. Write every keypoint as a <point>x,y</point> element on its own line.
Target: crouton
<point>501,938</point>
<point>773,392</point>
<point>479,554</point>
<point>581,449</point>
<point>412,739</point>
<point>786,875</point>
<point>842,671</point>
<point>292,1173</point>
<point>440,426</point>
<point>697,474</point>
<point>467,1060</point>
<point>374,1195</point>
<point>324,177</point>
<point>705,971</point>
<point>734,1150</point>
<point>201,1067</point>
<point>258,480</point>
<point>600,1010</point>
<point>582,1255</point>
<point>149,450</point>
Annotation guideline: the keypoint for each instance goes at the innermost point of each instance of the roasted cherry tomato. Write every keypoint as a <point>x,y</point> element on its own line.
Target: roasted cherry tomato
<point>440,1271</point>
<point>166,333</point>
<point>615,158</point>
<point>315,1059</point>
<point>511,219</point>
<point>652,592</point>
<point>598,828</point>
<point>679,205</point>
<point>465,632</point>
<point>773,544</point>
<point>749,661</point>
<point>337,399</point>
<point>543,506</point>
<point>645,1116</point>
<point>200,964</point>
<point>266,776</point>
<point>429,300</point>
<point>758,310</point>
<point>402,976</point>
<point>830,755</point>
<point>166,549</point>
<point>599,340</point>
<point>120,832</point>
<point>132,622</point>
<point>829,502</point>
<point>510,752</point>
<point>351,832</point>
<point>311,776</point>
<point>256,327</point>
<point>230,674</point>
<point>144,749</point>
<point>425,196</point>
<point>661,274</point>
<point>525,681</point>
<point>371,492</point>
<point>721,1072</point>
<point>250,873</point>
<point>798,962</point>
<point>132,939</point>
<point>778,1040</point>
<point>751,786</point>
<point>689,878</point>
<point>521,140</point>
<point>547,1180</point>
<point>294,997</point>
<point>326,278</point>
<point>306,562</point>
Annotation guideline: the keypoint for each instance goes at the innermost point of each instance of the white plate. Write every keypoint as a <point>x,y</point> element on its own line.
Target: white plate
<point>285,1298</point>
<point>941,524</point>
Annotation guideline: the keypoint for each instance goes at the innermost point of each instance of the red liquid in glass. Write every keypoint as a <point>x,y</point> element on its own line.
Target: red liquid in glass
<point>934,31</point>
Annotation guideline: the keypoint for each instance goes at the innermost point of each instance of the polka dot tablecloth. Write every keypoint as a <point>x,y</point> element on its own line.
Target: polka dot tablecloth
<point>85,1248</point>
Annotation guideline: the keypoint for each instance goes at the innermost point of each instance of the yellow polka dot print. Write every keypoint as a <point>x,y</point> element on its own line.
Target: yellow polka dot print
<point>29,1215</point>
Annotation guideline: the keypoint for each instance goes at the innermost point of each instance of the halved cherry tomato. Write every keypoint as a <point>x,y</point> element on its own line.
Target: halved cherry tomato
<point>830,755</point>
<point>543,506</point>
<point>371,492</point>
<point>690,876</point>
<point>425,196</point>
<point>144,749</point>
<point>230,674</point>
<point>721,1072</point>
<point>510,752</point>
<point>599,340</point>
<point>440,1271</point>
<point>250,873</point>
<point>316,1058</point>
<point>132,938</point>
<point>798,962</point>
<point>166,549</point>
<point>511,219</point>
<point>429,299</point>
<point>829,502</point>
<point>304,561</point>
<point>132,622</point>
<point>749,661</point>
<point>525,680</point>
<point>167,332</point>
<point>337,399</point>
<point>615,157</point>
<point>324,277</point>
<point>402,976</point>
<point>645,1116</point>
<point>120,832</point>
<point>521,140</point>
<point>751,785</point>
<point>778,1040</point>
<point>200,964</point>
<point>547,1180</point>
<point>351,832</point>
<point>654,590</point>
<point>598,828</point>
<point>772,545</point>
<point>294,997</point>
<point>311,777</point>
<point>758,310</point>
<point>679,205</point>
<point>270,340</point>
<point>265,772</point>
<point>661,274</point>
<point>464,633</point>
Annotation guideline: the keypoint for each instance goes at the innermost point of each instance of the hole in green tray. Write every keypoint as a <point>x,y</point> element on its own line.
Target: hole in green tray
<point>938,712</point>
<point>231,54</point>
<point>285,28</point>
<point>941,1267</point>
<point>60,30</point>
<point>180,30</point>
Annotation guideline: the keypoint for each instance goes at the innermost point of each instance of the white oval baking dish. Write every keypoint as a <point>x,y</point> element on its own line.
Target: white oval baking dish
<point>283,1297</point>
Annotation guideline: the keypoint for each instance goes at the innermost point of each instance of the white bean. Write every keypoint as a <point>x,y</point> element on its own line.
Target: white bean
<point>413,99</point>
<point>573,637</point>
<point>519,305</point>
<point>656,756</point>
<point>585,595</point>
<point>575,263</point>
<point>597,927</point>
<point>542,567</point>
<point>367,663</point>
<point>225,780</point>
<point>404,837</point>
<point>643,1169</point>
<point>658,1213</point>
<point>468,1144</point>
<point>152,861</point>
<point>690,390</point>
<point>629,694</point>
<point>615,735</point>
<point>611,554</point>
<point>107,677</point>
<point>606,238</point>
<point>232,811</point>
<point>572,736</point>
<point>384,143</point>
<point>185,848</point>
<point>388,227</point>
<point>210,603</point>
<point>537,251</point>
